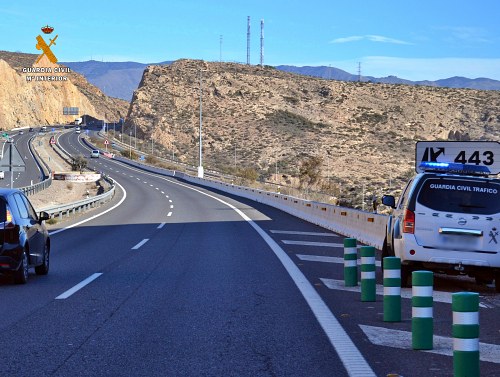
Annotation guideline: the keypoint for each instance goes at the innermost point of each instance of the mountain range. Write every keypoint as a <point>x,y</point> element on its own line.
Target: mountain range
<point>120,79</point>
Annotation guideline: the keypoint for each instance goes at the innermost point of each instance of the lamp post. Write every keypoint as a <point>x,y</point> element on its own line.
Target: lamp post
<point>130,144</point>
<point>200,167</point>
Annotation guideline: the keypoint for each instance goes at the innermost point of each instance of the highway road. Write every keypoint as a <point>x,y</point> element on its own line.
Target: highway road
<point>171,279</point>
<point>32,173</point>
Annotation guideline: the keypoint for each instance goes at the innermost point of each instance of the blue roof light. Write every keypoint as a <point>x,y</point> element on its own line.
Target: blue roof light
<point>454,168</point>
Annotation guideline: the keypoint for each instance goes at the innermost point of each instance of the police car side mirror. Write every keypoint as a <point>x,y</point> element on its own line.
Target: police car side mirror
<point>389,201</point>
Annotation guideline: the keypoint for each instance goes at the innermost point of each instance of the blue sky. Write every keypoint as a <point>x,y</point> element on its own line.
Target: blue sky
<point>411,39</point>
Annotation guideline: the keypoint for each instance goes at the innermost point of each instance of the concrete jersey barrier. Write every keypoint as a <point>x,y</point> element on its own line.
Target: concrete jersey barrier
<point>369,228</point>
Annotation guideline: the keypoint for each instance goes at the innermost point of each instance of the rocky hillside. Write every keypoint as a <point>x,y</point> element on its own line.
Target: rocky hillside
<point>364,133</point>
<point>25,103</point>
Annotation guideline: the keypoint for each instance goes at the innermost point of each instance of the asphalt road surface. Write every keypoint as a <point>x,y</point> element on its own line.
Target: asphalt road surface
<point>176,280</point>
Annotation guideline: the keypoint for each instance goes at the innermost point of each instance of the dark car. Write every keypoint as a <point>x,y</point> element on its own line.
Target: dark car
<point>24,239</point>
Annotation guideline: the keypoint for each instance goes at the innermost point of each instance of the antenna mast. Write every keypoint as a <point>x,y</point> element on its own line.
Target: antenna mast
<point>261,43</point>
<point>220,48</point>
<point>248,40</point>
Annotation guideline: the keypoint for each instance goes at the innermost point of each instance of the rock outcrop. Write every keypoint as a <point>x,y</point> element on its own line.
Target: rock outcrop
<point>27,103</point>
<point>266,119</point>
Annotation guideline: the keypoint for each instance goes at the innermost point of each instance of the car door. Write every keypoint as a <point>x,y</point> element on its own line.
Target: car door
<point>31,227</point>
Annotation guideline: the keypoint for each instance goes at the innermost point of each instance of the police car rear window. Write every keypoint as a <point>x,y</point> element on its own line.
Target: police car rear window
<point>480,197</point>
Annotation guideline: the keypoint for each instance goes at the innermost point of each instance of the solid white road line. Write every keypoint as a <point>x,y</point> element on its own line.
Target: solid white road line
<point>140,244</point>
<point>319,234</point>
<point>161,226</point>
<point>351,357</point>
<point>79,286</point>
<point>305,243</point>
<point>438,296</point>
<point>442,345</point>
<point>320,258</point>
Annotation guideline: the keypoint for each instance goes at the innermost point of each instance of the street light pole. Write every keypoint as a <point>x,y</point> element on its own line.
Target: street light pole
<point>130,143</point>
<point>200,167</point>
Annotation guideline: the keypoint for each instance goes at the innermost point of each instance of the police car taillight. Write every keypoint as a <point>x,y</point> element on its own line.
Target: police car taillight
<point>454,168</point>
<point>409,222</point>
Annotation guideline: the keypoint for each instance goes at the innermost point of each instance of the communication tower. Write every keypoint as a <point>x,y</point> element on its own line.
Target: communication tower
<point>248,40</point>
<point>261,43</point>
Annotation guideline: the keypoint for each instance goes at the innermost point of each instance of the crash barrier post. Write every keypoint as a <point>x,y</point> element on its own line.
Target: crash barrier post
<point>422,321</point>
<point>465,330</point>
<point>392,289</point>
<point>368,286</point>
<point>350,262</point>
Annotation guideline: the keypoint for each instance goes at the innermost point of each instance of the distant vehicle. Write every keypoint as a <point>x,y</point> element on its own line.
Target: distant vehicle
<point>78,129</point>
<point>43,129</point>
<point>2,174</point>
<point>31,129</point>
<point>78,121</point>
<point>21,132</point>
<point>24,240</point>
<point>94,154</point>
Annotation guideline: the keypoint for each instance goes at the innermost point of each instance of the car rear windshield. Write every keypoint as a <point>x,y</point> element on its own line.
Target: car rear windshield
<point>480,197</point>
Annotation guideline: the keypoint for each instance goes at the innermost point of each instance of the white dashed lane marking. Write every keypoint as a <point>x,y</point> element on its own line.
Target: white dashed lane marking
<point>323,259</point>
<point>304,233</point>
<point>438,296</point>
<point>305,243</point>
<point>442,345</point>
<point>79,286</point>
<point>140,244</point>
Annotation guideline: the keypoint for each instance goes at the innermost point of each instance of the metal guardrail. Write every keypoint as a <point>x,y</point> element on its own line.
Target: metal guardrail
<point>69,208</point>
<point>81,205</point>
<point>47,173</point>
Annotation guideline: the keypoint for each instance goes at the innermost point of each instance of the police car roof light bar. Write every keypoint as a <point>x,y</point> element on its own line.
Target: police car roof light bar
<point>454,168</point>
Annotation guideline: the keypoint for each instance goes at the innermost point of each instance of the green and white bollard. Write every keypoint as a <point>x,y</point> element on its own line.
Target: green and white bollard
<point>465,307</point>
<point>422,321</point>
<point>392,289</point>
<point>368,286</point>
<point>350,262</point>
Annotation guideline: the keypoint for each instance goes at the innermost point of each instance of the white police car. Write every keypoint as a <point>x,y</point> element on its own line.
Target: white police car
<point>447,220</point>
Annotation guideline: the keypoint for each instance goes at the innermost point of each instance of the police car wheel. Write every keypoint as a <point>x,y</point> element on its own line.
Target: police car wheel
<point>483,280</point>
<point>405,276</point>
<point>497,282</point>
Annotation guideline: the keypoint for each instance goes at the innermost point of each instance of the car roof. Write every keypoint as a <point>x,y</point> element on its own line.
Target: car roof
<point>8,191</point>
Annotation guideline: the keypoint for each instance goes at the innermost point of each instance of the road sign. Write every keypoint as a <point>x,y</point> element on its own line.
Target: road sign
<point>11,159</point>
<point>479,153</point>
<point>106,142</point>
<point>52,140</point>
